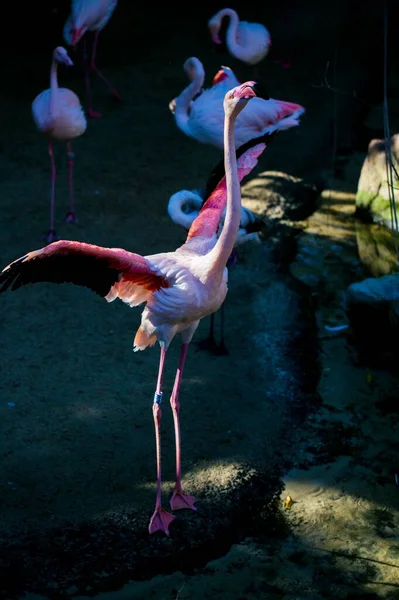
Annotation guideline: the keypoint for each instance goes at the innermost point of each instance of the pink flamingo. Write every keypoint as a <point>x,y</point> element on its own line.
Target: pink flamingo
<point>89,15</point>
<point>179,288</point>
<point>248,42</point>
<point>202,119</point>
<point>57,112</point>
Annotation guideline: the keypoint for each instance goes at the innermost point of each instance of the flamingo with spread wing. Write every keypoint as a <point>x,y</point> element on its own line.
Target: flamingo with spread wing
<point>178,288</point>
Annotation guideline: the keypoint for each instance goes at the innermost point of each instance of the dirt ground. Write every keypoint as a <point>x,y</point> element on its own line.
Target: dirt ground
<point>287,411</point>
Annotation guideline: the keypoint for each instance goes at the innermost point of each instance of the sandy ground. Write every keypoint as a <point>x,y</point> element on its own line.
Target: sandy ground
<point>78,465</point>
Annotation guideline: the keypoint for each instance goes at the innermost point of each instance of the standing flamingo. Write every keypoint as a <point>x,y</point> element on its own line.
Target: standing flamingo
<point>249,42</point>
<point>57,112</point>
<point>203,118</point>
<point>179,288</point>
<point>184,207</point>
<point>89,15</point>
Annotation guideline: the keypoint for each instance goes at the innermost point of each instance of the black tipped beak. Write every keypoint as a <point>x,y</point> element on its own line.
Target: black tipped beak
<point>260,91</point>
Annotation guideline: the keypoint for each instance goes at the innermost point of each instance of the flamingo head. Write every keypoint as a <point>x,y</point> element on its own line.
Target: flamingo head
<point>61,56</point>
<point>193,68</point>
<point>237,98</point>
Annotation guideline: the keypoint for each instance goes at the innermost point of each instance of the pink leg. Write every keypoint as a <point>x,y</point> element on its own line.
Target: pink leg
<point>160,519</point>
<point>50,235</point>
<point>179,498</point>
<point>90,112</point>
<point>97,71</point>
<point>70,216</point>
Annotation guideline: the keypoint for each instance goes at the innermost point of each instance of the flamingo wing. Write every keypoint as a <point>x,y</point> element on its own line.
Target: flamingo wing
<point>110,272</point>
<point>243,155</point>
<point>207,222</point>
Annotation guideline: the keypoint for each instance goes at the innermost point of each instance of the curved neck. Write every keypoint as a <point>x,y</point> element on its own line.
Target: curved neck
<point>232,30</point>
<point>183,103</point>
<point>53,89</point>
<point>227,238</point>
<point>176,204</point>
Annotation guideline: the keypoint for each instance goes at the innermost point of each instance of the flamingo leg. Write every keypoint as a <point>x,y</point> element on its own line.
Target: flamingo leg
<point>90,112</point>
<point>51,235</point>
<point>161,519</point>
<point>179,499</point>
<point>97,71</point>
<point>222,348</point>
<point>70,216</point>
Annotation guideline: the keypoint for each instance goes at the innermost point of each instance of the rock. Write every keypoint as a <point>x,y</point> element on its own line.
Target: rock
<point>376,247</point>
<point>283,196</point>
<point>372,198</point>
<point>373,310</point>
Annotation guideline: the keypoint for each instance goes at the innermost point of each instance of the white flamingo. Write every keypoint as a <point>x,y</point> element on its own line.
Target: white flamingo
<point>58,114</point>
<point>202,118</point>
<point>248,42</point>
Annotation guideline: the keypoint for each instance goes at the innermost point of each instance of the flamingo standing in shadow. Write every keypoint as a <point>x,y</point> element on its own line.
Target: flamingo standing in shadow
<point>58,114</point>
<point>198,112</point>
<point>178,288</point>
<point>89,15</point>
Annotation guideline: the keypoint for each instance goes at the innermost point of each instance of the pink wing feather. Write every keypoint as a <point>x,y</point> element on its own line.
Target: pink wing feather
<point>110,272</point>
<point>207,222</point>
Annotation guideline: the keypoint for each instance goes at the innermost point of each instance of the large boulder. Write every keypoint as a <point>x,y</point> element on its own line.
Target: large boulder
<point>372,198</point>
<point>373,310</point>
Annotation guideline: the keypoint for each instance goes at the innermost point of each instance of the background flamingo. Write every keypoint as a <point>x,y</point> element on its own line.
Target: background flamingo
<point>224,79</point>
<point>202,119</point>
<point>57,112</point>
<point>184,207</point>
<point>89,15</point>
<point>249,42</point>
<point>179,288</point>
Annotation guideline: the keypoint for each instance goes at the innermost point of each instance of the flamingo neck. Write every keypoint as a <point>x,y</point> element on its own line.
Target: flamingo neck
<point>227,238</point>
<point>232,30</point>
<point>53,89</point>
<point>183,102</point>
<point>180,200</point>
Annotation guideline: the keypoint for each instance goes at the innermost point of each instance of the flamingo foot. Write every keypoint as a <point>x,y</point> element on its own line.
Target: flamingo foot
<point>70,217</point>
<point>180,500</point>
<point>160,521</point>
<point>50,236</point>
<point>93,114</point>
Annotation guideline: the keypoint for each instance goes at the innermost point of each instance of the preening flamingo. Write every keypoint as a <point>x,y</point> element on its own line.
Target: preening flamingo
<point>249,42</point>
<point>57,112</point>
<point>202,119</point>
<point>179,288</point>
<point>184,207</point>
<point>224,79</point>
<point>89,15</point>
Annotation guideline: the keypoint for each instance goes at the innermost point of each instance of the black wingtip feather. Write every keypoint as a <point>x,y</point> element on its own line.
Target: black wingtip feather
<point>218,172</point>
<point>83,270</point>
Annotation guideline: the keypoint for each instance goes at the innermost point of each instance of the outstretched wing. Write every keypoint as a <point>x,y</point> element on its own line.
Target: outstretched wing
<point>207,222</point>
<point>110,272</point>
